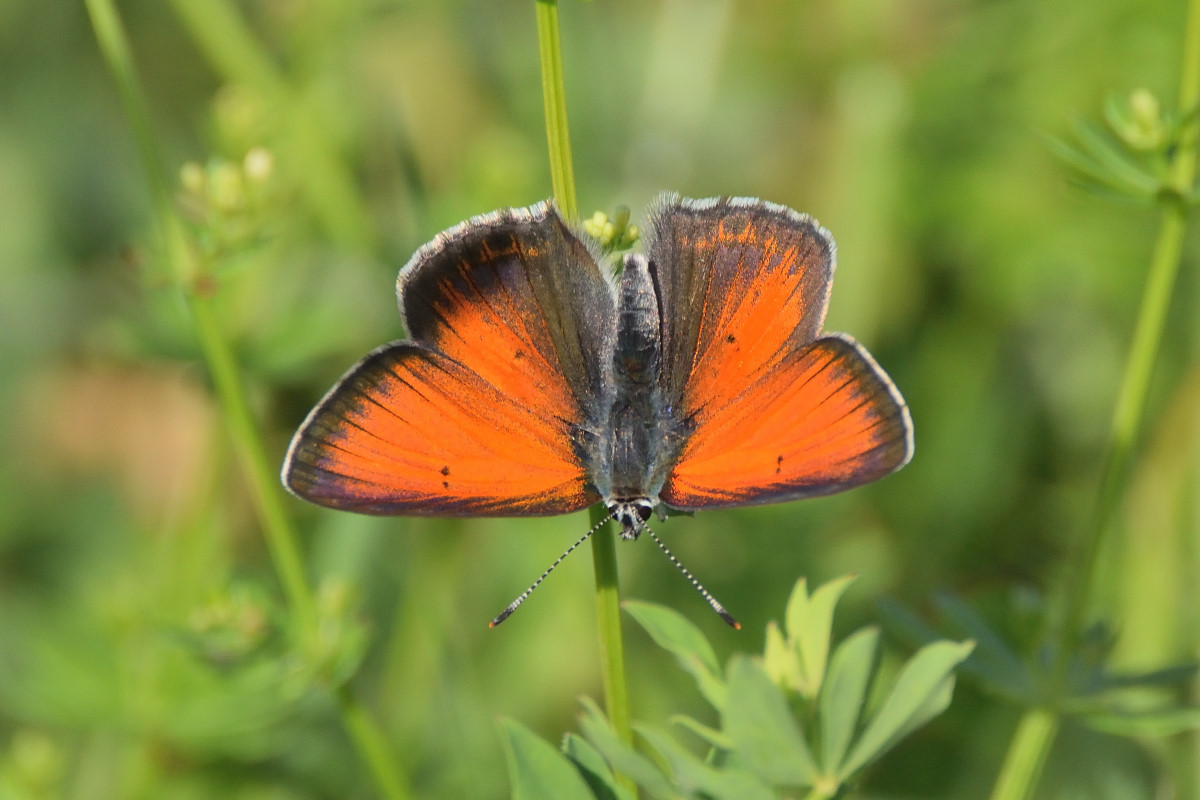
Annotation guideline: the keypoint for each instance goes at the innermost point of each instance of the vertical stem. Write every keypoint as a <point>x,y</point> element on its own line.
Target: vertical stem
<point>562,173</point>
<point>1036,731</point>
<point>364,731</point>
<point>1187,747</point>
<point>1127,419</point>
<point>185,269</point>
<point>114,47</point>
<point>281,539</point>
<point>604,555</point>
<point>373,746</point>
<point>1147,338</point>
<point>608,615</point>
<point>1026,755</point>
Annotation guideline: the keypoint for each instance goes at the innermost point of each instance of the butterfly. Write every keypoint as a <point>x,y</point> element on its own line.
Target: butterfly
<point>536,382</point>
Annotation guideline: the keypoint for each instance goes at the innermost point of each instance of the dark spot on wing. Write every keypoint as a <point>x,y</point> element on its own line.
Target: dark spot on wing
<point>778,465</point>
<point>445,484</point>
<point>446,470</point>
<point>731,338</point>
<point>518,355</point>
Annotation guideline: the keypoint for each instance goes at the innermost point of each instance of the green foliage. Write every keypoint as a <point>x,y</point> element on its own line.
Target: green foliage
<point>147,646</point>
<point>538,769</point>
<point>32,768</point>
<point>776,734</point>
<point>1089,690</point>
<point>799,661</point>
<point>231,206</point>
<point>693,652</point>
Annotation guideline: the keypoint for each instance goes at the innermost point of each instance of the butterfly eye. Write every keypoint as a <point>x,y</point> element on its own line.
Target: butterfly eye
<point>644,510</point>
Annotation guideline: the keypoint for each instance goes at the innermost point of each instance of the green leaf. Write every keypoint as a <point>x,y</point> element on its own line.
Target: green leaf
<point>922,691</point>
<point>765,736</point>
<point>693,775</point>
<point>809,621</point>
<point>594,769</point>
<point>781,660</point>
<point>623,758</point>
<point>1156,723</point>
<point>1114,158</point>
<point>710,735</point>
<point>537,769</point>
<point>993,661</point>
<point>1095,173</point>
<point>971,623</point>
<point>1173,675</point>
<point>1110,195</point>
<point>992,668</point>
<point>844,694</point>
<point>676,634</point>
<point>902,623</point>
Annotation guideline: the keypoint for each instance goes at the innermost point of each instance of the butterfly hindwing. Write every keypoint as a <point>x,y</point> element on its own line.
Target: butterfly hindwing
<point>486,410</point>
<point>411,431</point>
<point>826,419</point>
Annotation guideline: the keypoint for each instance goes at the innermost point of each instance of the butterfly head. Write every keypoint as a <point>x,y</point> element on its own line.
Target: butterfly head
<point>632,513</point>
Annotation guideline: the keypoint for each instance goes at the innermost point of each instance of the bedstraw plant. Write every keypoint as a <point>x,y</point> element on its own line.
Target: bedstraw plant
<point>204,673</point>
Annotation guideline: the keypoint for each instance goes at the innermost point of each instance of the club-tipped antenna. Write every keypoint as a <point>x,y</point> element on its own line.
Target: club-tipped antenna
<point>515,604</point>
<point>712,601</point>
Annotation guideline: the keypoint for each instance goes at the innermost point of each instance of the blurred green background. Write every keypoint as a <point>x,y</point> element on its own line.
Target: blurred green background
<point>141,650</point>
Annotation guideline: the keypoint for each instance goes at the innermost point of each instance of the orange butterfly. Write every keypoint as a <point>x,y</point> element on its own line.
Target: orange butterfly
<point>536,383</point>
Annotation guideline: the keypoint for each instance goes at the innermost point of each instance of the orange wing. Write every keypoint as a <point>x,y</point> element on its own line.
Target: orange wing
<point>825,419</point>
<point>488,409</point>
<point>412,431</point>
<point>742,284</point>
<point>768,411</point>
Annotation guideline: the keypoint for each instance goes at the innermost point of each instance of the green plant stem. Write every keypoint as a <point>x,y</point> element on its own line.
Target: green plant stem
<point>1187,748</point>
<point>1147,339</point>
<point>604,549</point>
<point>608,617</point>
<point>114,47</point>
<point>1127,418</point>
<point>1026,755</point>
<point>372,744</point>
<point>1037,728</point>
<point>185,269</point>
<point>562,173</point>
<point>281,539</point>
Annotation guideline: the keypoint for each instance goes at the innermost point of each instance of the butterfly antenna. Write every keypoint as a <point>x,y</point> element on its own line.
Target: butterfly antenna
<point>515,604</point>
<point>712,601</point>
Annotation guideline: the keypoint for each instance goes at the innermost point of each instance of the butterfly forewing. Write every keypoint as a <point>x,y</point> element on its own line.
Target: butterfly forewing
<point>520,299</point>
<point>744,283</point>
<point>485,411</point>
